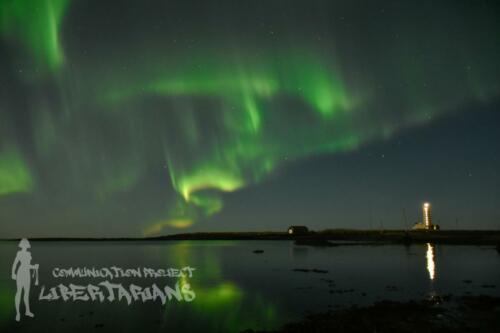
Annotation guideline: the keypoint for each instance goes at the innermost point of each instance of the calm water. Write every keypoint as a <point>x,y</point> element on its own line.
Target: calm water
<point>237,289</point>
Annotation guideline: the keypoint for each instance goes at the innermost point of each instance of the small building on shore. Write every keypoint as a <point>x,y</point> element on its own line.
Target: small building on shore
<point>426,224</point>
<point>298,230</point>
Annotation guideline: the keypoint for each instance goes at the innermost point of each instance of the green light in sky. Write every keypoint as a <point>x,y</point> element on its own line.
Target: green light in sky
<point>206,178</point>
<point>298,73</point>
<point>213,109</point>
<point>15,175</point>
<point>36,25</point>
<point>244,137</point>
<point>211,204</point>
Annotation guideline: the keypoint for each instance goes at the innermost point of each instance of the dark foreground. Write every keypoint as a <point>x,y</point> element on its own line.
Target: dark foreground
<point>266,285</point>
<point>437,314</point>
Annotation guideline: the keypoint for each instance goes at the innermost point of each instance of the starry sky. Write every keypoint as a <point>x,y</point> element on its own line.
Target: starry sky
<point>134,118</point>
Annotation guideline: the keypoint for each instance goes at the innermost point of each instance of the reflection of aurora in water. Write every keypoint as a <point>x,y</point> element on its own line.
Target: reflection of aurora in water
<point>238,289</point>
<point>221,304</point>
<point>6,305</point>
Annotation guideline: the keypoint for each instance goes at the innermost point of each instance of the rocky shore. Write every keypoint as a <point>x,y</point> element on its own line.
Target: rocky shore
<point>436,314</point>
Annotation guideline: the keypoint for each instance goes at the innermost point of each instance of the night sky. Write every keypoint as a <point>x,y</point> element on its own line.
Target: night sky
<point>138,118</point>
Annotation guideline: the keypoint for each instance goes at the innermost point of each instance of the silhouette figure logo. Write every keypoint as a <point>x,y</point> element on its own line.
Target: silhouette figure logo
<point>22,271</point>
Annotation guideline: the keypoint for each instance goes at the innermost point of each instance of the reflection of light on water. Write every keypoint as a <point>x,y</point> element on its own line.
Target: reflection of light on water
<point>431,268</point>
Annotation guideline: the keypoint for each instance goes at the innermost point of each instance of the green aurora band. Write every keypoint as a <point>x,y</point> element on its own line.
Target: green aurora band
<point>15,175</point>
<point>36,24</point>
<point>221,118</point>
<point>247,112</point>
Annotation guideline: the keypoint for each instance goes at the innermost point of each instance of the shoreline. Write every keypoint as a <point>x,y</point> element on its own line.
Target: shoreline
<point>321,238</point>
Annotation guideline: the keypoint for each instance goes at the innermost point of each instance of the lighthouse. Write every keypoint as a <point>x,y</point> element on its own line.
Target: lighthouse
<point>426,223</point>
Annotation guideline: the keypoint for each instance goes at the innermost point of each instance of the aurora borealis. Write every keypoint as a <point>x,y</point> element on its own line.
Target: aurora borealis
<point>35,25</point>
<point>125,118</point>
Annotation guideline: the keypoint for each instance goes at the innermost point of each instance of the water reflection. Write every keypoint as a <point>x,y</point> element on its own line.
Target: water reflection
<point>6,305</point>
<point>221,304</point>
<point>237,289</point>
<point>431,266</point>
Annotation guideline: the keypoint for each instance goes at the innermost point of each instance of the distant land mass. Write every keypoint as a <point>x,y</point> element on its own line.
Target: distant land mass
<point>319,238</point>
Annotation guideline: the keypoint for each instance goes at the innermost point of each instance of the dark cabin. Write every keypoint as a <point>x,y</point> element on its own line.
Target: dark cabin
<point>298,230</point>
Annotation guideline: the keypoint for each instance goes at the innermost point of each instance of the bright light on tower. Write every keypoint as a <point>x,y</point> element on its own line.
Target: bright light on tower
<point>427,215</point>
